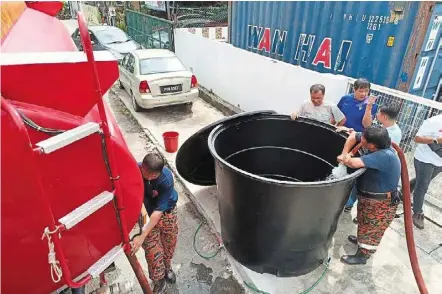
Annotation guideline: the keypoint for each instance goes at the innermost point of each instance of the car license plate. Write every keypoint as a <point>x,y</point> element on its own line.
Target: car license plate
<point>171,89</point>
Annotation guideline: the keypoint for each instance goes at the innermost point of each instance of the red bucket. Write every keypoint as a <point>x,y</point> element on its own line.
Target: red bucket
<point>171,141</point>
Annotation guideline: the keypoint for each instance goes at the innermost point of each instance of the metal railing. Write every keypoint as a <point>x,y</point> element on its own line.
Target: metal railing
<point>149,31</point>
<point>414,110</point>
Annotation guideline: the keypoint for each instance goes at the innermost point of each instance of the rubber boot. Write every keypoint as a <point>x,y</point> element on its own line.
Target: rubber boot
<point>353,239</point>
<point>358,258</point>
<point>170,276</point>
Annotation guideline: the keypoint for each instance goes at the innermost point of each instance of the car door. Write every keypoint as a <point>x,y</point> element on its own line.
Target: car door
<point>123,71</point>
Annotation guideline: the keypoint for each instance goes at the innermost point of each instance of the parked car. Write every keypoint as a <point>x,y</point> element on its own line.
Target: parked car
<point>108,38</point>
<point>156,77</point>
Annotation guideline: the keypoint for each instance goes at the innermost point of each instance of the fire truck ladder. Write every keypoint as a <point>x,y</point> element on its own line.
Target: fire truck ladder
<point>60,268</point>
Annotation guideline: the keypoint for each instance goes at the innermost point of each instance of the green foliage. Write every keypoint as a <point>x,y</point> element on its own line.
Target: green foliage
<point>122,26</point>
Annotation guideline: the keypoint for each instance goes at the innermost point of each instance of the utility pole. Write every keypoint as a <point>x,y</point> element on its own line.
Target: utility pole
<point>167,6</point>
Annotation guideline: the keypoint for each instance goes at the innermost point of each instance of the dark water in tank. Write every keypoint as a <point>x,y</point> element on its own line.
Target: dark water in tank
<point>281,163</point>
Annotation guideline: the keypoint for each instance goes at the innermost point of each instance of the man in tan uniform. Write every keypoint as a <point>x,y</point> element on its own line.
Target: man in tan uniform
<point>316,108</point>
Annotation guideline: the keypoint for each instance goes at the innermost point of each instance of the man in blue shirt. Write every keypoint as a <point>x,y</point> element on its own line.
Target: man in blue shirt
<point>376,188</point>
<point>159,235</point>
<point>387,116</point>
<point>359,109</point>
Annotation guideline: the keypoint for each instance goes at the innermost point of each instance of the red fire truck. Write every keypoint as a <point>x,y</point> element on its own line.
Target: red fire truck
<point>71,191</point>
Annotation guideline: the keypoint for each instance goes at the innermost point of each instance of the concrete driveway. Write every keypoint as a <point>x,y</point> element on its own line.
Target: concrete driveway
<point>388,271</point>
<point>195,275</point>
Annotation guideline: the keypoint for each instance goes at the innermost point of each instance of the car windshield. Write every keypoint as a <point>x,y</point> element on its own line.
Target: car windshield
<point>111,35</point>
<point>160,65</point>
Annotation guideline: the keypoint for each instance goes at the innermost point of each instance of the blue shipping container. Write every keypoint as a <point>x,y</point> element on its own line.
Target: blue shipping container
<point>427,79</point>
<point>356,39</point>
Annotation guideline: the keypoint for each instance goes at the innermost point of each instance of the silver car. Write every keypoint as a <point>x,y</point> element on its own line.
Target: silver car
<point>108,38</point>
<point>156,77</point>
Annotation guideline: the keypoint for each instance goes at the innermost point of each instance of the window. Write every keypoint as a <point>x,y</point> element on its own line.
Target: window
<point>76,34</point>
<point>111,35</point>
<point>125,60</point>
<point>160,65</point>
<point>93,38</point>
<point>131,63</point>
<point>126,65</point>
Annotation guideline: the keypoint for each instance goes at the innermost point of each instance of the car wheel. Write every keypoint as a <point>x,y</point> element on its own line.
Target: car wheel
<point>135,105</point>
<point>120,84</point>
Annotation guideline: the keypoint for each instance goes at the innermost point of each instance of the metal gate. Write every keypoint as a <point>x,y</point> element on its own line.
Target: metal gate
<point>149,31</point>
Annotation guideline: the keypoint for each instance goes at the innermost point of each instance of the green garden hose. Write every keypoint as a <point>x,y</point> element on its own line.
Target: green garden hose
<point>206,257</point>
<point>248,285</point>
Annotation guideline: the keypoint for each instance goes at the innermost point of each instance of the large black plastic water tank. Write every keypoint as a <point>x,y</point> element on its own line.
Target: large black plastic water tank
<point>278,213</point>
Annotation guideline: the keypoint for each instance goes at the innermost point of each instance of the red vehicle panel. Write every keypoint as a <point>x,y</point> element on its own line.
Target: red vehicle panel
<point>58,92</point>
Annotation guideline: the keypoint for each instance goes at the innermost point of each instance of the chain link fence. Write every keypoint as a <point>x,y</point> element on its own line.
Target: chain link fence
<point>155,32</point>
<point>414,111</point>
<point>199,17</point>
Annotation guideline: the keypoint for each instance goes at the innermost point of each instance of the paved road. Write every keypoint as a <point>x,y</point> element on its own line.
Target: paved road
<point>195,275</point>
<point>388,271</point>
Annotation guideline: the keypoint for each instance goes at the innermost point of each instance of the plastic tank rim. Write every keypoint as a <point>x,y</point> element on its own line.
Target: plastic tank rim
<point>219,129</point>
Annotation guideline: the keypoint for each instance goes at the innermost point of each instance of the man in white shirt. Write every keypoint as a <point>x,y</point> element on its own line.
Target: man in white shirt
<point>112,15</point>
<point>319,110</point>
<point>427,164</point>
<point>387,116</point>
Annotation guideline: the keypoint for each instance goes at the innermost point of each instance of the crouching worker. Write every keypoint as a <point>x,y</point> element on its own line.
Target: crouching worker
<point>376,188</point>
<point>160,234</point>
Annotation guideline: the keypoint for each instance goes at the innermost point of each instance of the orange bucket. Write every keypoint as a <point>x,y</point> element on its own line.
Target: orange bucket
<point>171,141</point>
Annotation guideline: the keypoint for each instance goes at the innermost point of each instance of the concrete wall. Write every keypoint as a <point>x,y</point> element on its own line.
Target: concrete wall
<point>250,81</point>
<point>213,33</point>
